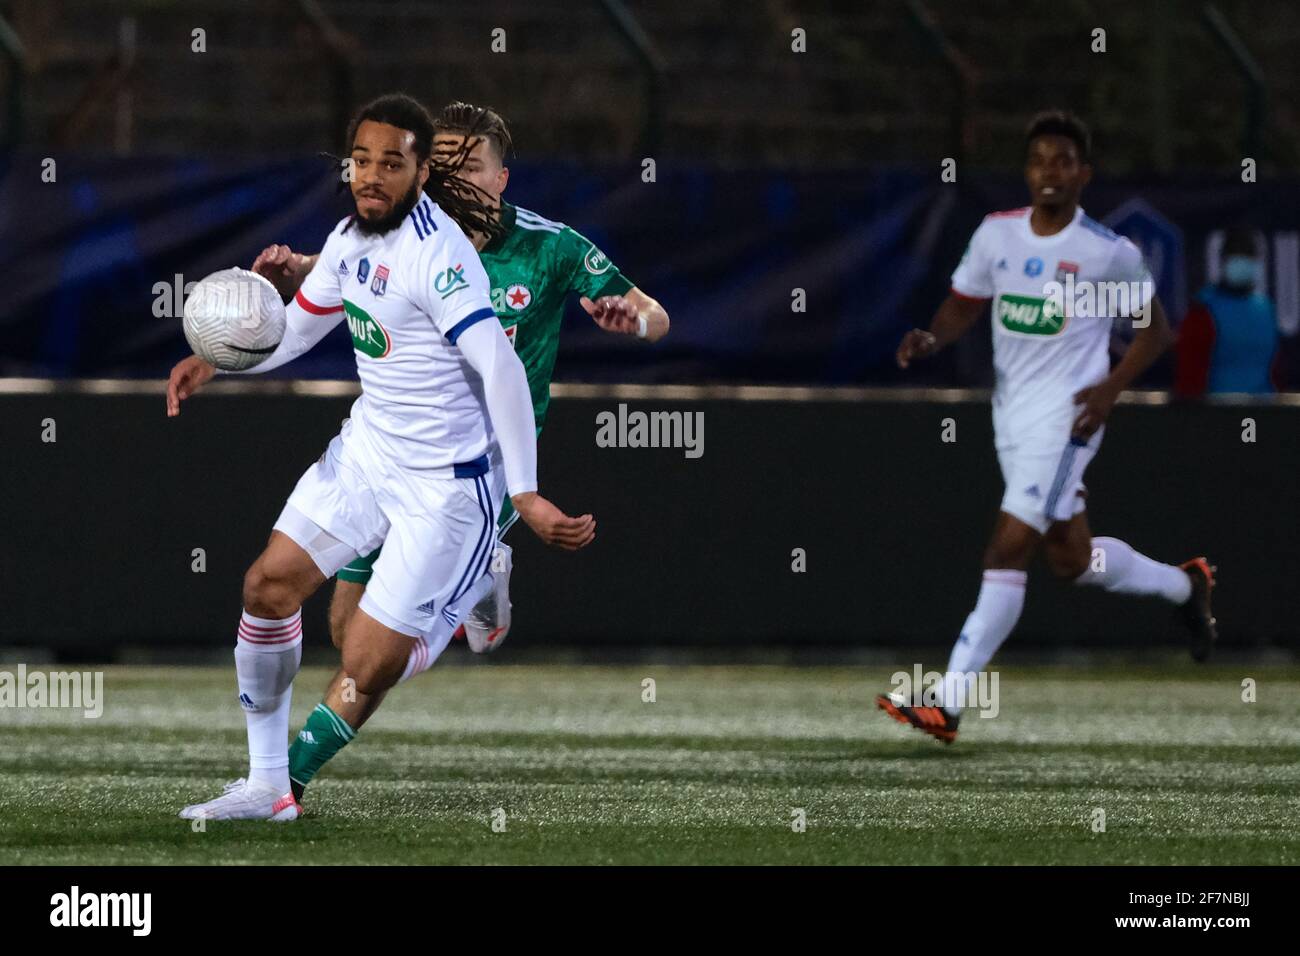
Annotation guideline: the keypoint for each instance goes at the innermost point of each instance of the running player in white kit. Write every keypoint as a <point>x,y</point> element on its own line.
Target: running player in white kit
<point>1057,281</point>
<point>416,466</point>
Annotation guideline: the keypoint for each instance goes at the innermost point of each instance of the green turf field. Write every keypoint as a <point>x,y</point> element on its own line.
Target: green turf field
<point>711,772</point>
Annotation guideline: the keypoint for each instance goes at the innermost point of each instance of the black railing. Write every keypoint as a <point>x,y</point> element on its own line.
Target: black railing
<point>338,48</point>
<point>15,57</point>
<point>1252,139</point>
<point>961,74</point>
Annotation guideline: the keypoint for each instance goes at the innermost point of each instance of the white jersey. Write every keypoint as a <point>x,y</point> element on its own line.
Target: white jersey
<point>407,295</point>
<point>1043,353</point>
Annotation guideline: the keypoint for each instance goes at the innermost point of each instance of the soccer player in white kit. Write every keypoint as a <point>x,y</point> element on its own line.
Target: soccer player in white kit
<point>415,467</point>
<point>1057,281</point>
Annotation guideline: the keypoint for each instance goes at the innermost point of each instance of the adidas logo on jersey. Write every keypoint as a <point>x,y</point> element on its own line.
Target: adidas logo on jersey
<point>343,269</point>
<point>307,737</point>
<point>1033,492</point>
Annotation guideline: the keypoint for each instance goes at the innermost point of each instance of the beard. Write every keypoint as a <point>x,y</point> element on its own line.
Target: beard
<point>393,218</point>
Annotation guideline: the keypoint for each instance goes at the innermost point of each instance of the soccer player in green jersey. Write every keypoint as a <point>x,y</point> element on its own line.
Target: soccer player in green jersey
<point>534,265</point>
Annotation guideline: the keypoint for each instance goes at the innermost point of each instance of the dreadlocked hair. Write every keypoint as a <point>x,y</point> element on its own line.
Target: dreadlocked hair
<point>466,120</point>
<point>459,199</point>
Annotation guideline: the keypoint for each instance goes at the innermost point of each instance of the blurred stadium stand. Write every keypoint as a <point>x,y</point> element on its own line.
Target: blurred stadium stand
<point>786,171</point>
<point>873,87</point>
<point>783,171</point>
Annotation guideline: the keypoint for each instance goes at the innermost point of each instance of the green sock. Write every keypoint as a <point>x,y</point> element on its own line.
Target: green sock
<point>321,738</point>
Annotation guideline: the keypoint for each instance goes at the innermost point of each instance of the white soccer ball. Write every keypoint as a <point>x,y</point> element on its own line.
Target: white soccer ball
<point>234,319</point>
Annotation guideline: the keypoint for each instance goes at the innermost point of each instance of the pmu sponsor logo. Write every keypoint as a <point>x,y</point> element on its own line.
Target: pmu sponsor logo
<point>75,909</point>
<point>70,690</point>
<point>1028,315</point>
<point>624,429</point>
<point>934,689</point>
<point>368,336</point>
<point>597,262</point>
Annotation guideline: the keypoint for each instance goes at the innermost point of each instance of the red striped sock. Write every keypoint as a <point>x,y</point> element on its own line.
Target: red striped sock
<point>267,655</point>
<point>261,633</point>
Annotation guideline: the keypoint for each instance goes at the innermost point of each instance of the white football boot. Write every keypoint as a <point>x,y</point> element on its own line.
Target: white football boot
<point>242,800</point>
<point>488,622</point>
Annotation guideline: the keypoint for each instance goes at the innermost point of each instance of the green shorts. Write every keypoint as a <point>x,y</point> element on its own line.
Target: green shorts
<point>359,570</point>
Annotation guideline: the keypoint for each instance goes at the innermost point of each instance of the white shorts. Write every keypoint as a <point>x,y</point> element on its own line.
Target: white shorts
<point>1044,480</point>
<point>438,533</point>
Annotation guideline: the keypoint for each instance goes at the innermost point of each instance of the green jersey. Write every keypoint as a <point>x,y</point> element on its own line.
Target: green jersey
<point>533,269</point>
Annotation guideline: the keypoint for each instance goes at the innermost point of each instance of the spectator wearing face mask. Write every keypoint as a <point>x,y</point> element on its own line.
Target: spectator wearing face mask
<point>1228,341</point>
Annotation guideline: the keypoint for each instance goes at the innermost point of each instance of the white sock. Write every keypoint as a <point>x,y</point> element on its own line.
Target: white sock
<point>1002,596</point>
<point>1125,571</point>
<point>267,655</point>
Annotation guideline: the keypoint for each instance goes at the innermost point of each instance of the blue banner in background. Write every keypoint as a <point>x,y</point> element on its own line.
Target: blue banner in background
<point>768,276</point>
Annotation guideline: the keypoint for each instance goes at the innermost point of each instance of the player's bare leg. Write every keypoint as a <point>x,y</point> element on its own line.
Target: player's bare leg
<point>343,604</point>
<point>354,706</point>
<point>267,654</point>
<point>375,657</point>
<point>1111,564</point>
<point>1068,547</point>
<point>342,696</point>
<point>346,708</point>
<point>378,656</point>
<point>1012,544</point>
<point>1001,598</point>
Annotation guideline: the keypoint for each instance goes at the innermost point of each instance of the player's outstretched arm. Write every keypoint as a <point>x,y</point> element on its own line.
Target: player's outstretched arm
<point>633,313</point>
<point>302,330</point>
<point>1148,345</point>
<point>952,320</point>
<point>505,389</point>
<point>284,268</point>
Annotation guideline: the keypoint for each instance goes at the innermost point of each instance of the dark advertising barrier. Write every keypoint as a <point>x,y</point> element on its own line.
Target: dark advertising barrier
<point>695,546</point>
